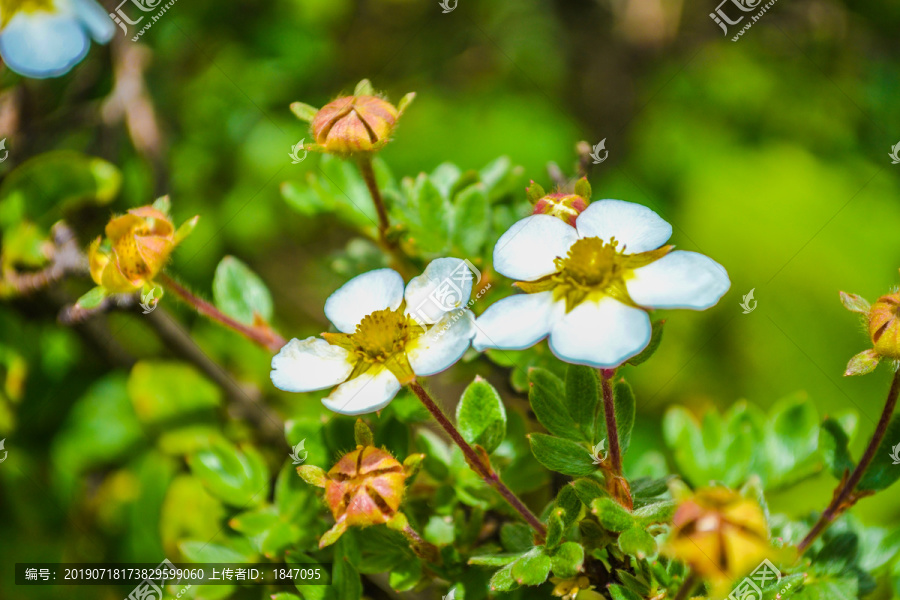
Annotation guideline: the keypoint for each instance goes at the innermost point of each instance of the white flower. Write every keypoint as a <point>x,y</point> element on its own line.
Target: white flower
<point>387,337</point>
<point>46,38</point>
<point>589,287</point>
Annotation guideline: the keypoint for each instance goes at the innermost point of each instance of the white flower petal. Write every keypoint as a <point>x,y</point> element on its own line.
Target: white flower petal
<point>367,393</point>
<point>41,44</point>
<point>442,345</point>
<point>527,249</point>
<point>363,295</point>
<point>445,284</point>
<point>680,279</point>
<point>634,225</point>
<point>95,19</point>
<point>517,322</point>
<point>601,334</point>
<point>311,364</point>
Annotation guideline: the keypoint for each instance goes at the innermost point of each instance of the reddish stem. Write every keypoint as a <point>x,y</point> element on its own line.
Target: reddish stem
<point>612,429</point>
<point>264,336</point>
<point>843,494</point>
<point>475,461</point>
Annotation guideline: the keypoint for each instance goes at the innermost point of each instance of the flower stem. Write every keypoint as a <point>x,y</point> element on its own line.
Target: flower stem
<point>845,491</point>
<point>422,548</point>
<point>365,167</point>
<point>477,463</point>
<point>264,336</point>
<point>612,429</point>
<point>684,592</point>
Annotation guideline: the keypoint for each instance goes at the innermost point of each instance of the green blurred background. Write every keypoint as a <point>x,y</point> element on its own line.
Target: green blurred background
<point>769,154</point>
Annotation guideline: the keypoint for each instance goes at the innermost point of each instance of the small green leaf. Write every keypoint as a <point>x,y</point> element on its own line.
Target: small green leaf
<point>620,592</point>
<point>555,528</point>
<point>583,188</point>
<point>516,537</point>
<point>166,392</point>
<point>567,560</point>
<point>93,298</point>
<point>568,501</point>
<point>406,575</point>
<point>562,456</point>
<point>862,363</point>
<point>534,192</point>
<point>625,410</point>
<point>494,560</point>
<point>547,396</point>
<point>838,553</point>
<point>240,293</point>
<point>833,442</point>
<point>503,581</point>
<point>304,112</point>
<point>362,434</point>
<point>583,396</point>
<point>234,477</point>
<point>480,415</point>
<point>364,88</point>
<point>855,303</point>
<point>637,542</point>
<point>588,490</point>
<point>611,515</point>
<point>471,220</point>
<point>532,569</point>
<point>656,331</point>
<point>883,471</point>
<point>658,512</point>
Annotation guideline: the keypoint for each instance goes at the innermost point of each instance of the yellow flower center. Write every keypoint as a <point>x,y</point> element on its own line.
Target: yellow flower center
<point>381,338</point>
<point>593,268</point>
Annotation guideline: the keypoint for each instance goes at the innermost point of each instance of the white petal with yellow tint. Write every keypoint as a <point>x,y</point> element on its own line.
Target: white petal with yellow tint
<point>443,344</point>
<point>370,392</point>
<point>527,249</point>
<point>363,295</point>
<point>636,226</point>
<point>680,279</point>
<point>311,364</point>
<point>445,284</point>
<point>517,322</point>
<point>601,334</point>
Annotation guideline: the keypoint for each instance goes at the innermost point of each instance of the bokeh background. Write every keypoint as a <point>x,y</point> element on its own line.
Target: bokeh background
<point>769,154</point>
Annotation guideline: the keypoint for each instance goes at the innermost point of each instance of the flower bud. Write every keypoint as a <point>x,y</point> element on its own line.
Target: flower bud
<point>561,205</point>
<point>567,589</point>
<point>884,326</point>
<point>137,247</point>
<point>353,125</point>
<point>365,487</point>
<point>721,534</point>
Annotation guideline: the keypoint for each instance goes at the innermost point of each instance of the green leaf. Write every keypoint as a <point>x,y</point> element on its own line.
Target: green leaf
<point>531,569</point>
<point>471,220</point>
<point>304,112</point>
<point>503,581</point>
<point>620,592</point>
<point>583,397</point>
<point>480,415</point>
<point>92,298</point>
<point>838,553</point>
<point>285,596</point>
<point>862,363</point>
<point>555,528</point>
<point>547,396</point>
<point>625,411</point>
<point>569,502</point>
<point>404,576</point>
<point>658,512</point>
<point>588,490</point>
<point>637,542</point>
<point>567,560</point>
<point>833,442</point>
<point>516,537</point>
<point>612,515</point>
<point>345,578</point>
<point>205,552</point>
<point>494,560</point>
<point>562,456</point>
<point>234,477</point>
<point>656,331</point>
<point>163,392</point>
<point>883,470</point>
<point>240,293</point>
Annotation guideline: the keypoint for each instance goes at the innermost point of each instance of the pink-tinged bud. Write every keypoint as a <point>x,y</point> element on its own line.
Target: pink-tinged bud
<point>563,206</point>
<point>884,326</point>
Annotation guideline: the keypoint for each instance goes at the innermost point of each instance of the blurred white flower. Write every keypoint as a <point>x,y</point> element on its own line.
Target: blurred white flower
<point>46,38</point>
<point>381,345</point>
<point>589,287</point>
